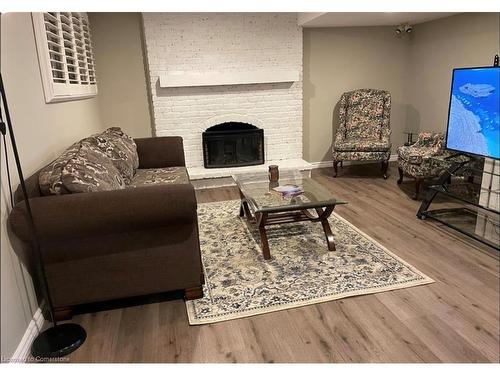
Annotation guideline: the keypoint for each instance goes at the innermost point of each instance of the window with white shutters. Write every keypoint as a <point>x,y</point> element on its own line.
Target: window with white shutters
<point>65,55</point>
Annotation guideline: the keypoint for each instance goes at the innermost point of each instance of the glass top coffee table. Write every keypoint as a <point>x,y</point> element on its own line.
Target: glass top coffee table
<point>262,205</point>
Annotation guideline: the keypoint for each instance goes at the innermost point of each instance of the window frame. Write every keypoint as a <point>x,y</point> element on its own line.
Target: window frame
<point>55,91</point>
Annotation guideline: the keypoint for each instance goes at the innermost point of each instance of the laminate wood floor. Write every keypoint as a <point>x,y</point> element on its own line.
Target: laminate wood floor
<point>455,319</point>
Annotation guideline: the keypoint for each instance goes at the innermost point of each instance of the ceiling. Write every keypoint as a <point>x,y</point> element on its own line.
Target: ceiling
<point>338,19</point>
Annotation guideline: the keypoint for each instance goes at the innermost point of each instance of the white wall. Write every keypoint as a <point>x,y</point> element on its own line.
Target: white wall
<point>229,42</point>
<point>42,132</point>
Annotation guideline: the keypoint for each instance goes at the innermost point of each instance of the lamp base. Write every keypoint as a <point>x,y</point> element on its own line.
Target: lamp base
<point>58,341</point>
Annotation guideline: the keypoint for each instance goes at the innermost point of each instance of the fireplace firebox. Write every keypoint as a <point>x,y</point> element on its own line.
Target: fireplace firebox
<point>233,144</point>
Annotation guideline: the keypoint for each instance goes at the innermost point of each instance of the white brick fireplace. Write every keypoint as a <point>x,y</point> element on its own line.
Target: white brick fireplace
<point>210,68</point>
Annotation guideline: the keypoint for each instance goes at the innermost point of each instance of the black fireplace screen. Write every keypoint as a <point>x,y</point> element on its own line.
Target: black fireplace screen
<point>233,144</point>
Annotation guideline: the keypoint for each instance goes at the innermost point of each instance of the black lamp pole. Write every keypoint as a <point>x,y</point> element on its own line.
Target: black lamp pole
<point>60,339</point>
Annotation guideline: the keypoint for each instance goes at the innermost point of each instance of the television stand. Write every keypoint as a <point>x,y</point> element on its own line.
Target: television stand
<point>457,200</point>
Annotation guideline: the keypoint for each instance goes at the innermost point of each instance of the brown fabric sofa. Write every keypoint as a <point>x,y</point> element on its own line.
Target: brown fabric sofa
<point>105,245</point>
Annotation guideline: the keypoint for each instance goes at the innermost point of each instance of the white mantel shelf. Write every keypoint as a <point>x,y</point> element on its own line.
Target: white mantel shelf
<point>195,79</point>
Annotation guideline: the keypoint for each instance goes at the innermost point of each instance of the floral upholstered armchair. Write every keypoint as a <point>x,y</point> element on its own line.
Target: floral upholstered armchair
<point>415,160</point>
<point>364,128</point>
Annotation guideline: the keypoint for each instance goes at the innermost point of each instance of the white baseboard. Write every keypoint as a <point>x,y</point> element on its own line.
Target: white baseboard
<point>321,164</point>
<point>329,163</point>
<point>23,349</point>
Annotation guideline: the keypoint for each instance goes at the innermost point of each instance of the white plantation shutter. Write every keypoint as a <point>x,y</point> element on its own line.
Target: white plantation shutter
<point>65,55</point>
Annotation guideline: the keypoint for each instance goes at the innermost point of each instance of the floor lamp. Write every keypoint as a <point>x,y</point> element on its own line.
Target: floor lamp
<point>60,339</point>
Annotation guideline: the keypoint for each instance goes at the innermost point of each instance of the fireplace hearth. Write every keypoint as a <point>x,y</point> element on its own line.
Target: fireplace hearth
<point>233,144</point>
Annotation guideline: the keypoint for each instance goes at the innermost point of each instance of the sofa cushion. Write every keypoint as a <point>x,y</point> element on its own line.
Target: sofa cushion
<point>50,177</point>
<point>155,176</point>
<point>120,149</point>
<point>90,170</point>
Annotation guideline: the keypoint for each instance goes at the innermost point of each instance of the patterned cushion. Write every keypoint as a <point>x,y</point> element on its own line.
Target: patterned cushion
<point>49,178</point>
<point>428,139</point>
<point>427,145</point>
<point>120,149</point>
<point>363,145</point>
<point>416,160</point>
<point>365,109</point>
<point>90,170</point>
<point>362,155</point>
<point>415,155</point>
<point>155,176</point>
<point>427,169</point>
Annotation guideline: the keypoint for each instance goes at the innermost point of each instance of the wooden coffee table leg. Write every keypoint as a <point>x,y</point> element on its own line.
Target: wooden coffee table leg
<point>244,209</point>
<point>263,236</point>
<point>264,244</point>
<point>328,234</point>
<point>324,215</point>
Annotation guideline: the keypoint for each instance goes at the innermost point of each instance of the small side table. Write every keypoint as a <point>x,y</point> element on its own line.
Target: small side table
<point>409,138</point>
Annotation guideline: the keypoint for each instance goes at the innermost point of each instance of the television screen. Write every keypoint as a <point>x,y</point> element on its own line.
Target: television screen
<point>473,117</point>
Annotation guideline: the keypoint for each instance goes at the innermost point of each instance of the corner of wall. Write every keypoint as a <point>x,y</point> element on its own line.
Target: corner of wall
<point>147,77</point>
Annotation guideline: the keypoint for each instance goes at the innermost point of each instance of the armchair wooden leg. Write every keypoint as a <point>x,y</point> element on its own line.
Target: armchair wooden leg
<point>385,165</point>
<point>341,164</point>
<point>400,180</point>
<point>335,170</point>
<point>418,183</point>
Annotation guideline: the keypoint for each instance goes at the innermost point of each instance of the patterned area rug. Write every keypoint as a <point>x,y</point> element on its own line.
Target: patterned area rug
<point>240,283</point>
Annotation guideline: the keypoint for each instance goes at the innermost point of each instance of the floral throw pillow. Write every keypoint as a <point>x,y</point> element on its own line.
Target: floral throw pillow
<point>49,178</point>
<point>90,170</point>
<point>119,148</point>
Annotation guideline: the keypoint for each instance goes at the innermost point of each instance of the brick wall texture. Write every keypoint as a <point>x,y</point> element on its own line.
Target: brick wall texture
<point>200,43</point>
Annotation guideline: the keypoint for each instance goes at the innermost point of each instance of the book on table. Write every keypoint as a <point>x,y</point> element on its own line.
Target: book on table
<point>288,190</point>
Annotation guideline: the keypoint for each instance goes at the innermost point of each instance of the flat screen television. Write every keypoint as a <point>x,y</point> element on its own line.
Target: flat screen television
<point>473,115</point>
